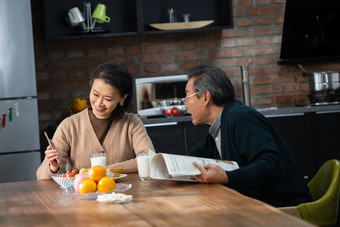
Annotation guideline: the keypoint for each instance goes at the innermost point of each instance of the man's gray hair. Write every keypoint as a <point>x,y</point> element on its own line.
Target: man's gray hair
<point>214,80</point>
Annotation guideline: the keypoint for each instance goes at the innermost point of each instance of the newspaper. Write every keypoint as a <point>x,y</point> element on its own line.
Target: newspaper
<point>179,167</point>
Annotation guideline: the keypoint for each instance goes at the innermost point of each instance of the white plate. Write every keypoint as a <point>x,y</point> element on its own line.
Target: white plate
<point>127,198</point>
<point>93,195</point>
<point>115,201</point>
<point>122,175</point>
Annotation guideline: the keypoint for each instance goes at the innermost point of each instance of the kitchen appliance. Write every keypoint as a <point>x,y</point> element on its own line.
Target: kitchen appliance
<point>310,31</point>
<point>150,90</point>
<point>324,98</point>
<point>19,125</point>
<point>324,87</point>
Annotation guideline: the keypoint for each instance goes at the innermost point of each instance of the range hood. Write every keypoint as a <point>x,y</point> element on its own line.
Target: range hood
<point>311,31</point>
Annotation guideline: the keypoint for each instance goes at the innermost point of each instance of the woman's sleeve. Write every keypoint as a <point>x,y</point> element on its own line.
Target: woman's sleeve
<point>61,144</point>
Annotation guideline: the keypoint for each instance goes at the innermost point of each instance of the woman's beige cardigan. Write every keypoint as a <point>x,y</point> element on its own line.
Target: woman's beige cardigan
<point>75,140</point>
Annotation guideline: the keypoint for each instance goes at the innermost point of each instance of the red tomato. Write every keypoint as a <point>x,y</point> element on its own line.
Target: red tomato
<point>175,111</point>
<point>169,112</point>
<point>70,174</point>
<point>65,175</point>
<point>75,171</point>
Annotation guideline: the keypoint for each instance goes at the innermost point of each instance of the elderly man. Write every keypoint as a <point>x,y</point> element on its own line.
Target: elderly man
<point>268,171</point>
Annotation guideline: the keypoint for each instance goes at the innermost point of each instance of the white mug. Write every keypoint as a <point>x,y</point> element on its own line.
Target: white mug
<point>75,16</point>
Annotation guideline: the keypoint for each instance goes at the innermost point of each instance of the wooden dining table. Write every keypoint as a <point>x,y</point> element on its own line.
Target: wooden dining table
<point>155,203</point>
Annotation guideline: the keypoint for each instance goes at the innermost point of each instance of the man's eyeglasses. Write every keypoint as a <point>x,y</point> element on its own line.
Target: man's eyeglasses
<point>184,100</point>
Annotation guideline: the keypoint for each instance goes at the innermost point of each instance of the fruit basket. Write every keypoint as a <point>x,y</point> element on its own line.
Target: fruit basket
<point>172,108</point>
<point>64,182</point>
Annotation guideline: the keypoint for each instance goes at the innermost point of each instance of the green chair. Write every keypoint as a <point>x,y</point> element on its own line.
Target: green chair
<point>325,189</point>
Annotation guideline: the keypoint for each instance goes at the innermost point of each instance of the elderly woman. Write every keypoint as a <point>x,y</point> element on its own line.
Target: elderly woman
<point>104,127</point>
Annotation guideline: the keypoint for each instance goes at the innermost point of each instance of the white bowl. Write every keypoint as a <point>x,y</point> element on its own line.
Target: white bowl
<point>64,182</point>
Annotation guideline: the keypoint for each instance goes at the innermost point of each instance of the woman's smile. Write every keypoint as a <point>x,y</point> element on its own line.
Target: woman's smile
<point>100,109</point>
<point>104,98</point>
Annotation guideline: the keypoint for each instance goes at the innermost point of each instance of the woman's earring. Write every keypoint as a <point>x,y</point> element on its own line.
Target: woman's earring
<point>122,103</point>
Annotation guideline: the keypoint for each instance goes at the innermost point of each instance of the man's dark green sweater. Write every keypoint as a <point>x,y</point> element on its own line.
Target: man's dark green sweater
<point>268,171</point>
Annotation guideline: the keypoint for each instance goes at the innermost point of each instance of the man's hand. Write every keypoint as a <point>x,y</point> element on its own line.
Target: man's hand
<point>215,174</point>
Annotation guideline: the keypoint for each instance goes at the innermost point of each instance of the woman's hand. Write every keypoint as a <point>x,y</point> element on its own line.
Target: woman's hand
<point>52,155</point>
<point>211,173</point>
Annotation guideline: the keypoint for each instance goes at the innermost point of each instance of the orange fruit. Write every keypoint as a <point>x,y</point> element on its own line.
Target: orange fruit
<point>87,186</point>
<point>106,184</point>
<point>97,172</point>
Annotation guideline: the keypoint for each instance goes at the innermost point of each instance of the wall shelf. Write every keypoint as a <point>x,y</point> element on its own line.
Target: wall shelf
<point>133,17</point>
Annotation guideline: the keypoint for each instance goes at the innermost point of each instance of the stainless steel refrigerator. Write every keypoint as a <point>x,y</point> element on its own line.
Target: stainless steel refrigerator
<point>19,123</point>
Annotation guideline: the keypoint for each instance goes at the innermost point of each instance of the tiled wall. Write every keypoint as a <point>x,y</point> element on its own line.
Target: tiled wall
<point>63,66</point>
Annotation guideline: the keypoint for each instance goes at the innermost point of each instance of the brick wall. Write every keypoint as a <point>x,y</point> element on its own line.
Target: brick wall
<point>63,66</point>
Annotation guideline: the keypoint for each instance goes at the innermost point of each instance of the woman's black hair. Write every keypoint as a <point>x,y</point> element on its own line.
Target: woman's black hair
<point>119,77</point>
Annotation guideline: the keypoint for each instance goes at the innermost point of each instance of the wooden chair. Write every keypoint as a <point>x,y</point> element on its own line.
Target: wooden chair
<point>325,189</point>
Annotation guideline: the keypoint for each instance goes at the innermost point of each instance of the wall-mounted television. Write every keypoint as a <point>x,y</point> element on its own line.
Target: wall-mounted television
<point>150,90</point>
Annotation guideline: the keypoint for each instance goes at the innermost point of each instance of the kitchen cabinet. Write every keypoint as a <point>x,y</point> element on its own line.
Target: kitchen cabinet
<point>133,17</point>
<point>194,134</point>
<point>296,132</point>
<point>312,137</point>
<point>176,137</point>
<point>326,137</point>
<point>167,137</point>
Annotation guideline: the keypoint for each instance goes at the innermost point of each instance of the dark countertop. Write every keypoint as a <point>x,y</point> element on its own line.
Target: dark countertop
<point>295,111</point>
<point>268,112</point>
